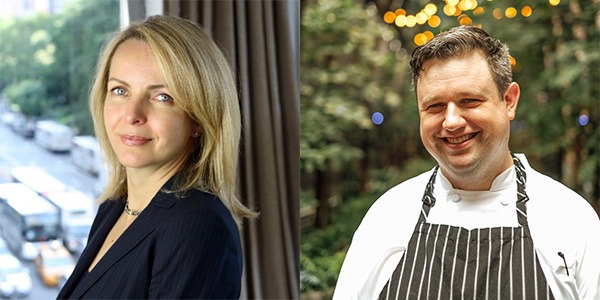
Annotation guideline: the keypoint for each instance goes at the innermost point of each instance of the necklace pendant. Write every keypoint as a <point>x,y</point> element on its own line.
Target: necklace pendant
<point>131,212</point>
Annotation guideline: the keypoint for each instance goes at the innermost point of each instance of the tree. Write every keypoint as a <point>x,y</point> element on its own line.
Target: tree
<point>348,74</point>
<point>59,52</point>
<point>29,96</point>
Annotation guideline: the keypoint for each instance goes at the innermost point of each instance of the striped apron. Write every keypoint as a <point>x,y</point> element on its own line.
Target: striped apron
<point>449,262</point>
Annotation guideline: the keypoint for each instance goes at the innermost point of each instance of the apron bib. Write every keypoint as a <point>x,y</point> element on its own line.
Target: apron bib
<point>447,262</point>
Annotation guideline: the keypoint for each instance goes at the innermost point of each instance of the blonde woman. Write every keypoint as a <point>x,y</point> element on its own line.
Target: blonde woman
<point>165,110</point>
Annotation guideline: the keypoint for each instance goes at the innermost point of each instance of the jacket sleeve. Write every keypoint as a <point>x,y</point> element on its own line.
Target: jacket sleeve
<point>197,256</point>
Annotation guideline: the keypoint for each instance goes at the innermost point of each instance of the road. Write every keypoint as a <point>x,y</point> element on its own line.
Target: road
<point>16,151</point>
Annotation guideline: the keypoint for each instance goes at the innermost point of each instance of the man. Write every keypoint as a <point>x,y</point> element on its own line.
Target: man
<point>482,224</point>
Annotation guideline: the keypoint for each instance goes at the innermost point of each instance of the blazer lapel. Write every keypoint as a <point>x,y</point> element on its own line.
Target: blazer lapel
<point>143,225</point>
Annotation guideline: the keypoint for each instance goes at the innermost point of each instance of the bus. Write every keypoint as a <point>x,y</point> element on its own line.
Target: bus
<point>53,136</point>
<point>86,154</point>
<point>26,220</point>
<point>37,180</point>
<point>77,212</point>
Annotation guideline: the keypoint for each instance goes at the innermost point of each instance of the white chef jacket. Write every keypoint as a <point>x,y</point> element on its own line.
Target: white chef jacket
<point>559,220</point>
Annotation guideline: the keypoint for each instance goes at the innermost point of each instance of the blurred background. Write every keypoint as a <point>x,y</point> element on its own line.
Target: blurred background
<point>48,52</point>
<point>359,118</point>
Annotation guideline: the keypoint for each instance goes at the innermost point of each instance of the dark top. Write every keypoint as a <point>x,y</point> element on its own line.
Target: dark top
<point>178,247</point>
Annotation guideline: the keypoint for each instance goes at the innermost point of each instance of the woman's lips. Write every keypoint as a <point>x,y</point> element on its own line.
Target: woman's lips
<point>134,140</point>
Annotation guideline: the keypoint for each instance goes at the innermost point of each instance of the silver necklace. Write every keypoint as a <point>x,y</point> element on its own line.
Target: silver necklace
<point>130,211</point>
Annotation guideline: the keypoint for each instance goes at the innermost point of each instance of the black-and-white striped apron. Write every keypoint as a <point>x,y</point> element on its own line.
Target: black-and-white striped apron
<point>449,262</point>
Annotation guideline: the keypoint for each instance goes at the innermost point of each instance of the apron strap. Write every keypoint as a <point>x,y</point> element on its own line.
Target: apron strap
<point>522,197</point>
<point>428,198</point>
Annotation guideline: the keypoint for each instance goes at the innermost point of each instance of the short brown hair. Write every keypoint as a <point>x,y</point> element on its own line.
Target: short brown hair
<point>460,40</point>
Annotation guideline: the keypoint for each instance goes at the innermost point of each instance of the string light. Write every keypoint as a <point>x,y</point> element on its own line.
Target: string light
<point>510,12</point>
<point>389,17</point>
<point>526,11</point>
<point>452,8</point>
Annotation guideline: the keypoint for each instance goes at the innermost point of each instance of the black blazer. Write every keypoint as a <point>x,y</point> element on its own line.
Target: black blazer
<point>186,247</point>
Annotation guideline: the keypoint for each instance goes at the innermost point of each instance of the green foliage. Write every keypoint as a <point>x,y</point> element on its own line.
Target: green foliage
<point>322,251</point>
<point>59,52</point>
<point>28,95</point>
<point>348,73</point>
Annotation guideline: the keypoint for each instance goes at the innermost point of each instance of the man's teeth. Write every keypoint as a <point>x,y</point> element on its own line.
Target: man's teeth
<point>460,139</point>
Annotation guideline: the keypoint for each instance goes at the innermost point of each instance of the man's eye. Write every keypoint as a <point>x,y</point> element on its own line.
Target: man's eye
<point>435,106</point>
<point>467,101</point>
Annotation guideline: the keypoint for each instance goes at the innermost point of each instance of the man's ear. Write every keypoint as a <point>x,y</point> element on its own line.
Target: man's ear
<point>511,98</point>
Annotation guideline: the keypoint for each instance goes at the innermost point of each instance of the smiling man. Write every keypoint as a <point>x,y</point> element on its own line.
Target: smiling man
<point>482,224</point>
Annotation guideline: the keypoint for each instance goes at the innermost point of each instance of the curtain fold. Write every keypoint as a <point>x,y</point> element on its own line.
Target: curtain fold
<point>258,38</point>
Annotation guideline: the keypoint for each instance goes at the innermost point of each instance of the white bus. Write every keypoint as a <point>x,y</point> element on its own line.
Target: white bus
<point>77,212</point>
<point>53,136</point>
<point>26,220</point>
<point>37,180</point>
<point>86,154</point>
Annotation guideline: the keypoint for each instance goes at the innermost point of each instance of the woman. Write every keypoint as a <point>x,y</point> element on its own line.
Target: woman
<point>165,110</point>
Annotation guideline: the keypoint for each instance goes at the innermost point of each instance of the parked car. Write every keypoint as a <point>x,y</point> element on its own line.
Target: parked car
<point>54,263</point>
<point>15,280</point>
<point>8,117</point>
<point>23,125</point>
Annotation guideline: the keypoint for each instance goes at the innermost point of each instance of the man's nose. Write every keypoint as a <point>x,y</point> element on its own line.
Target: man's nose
<point>453,119</point>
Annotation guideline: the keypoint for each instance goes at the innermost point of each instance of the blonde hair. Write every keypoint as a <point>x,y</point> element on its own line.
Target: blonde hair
<point>200,79</point>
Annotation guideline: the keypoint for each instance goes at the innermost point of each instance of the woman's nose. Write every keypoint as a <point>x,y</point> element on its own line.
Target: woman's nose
<point>135,111</point>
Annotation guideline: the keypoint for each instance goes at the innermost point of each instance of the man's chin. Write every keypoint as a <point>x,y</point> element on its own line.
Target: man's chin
<point>462,165</point>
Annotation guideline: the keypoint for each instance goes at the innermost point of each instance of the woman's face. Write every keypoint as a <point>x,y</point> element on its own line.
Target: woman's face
<point>146,128</point>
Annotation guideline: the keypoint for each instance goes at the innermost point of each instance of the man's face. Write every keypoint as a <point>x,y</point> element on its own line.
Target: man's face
<point>465,123</point>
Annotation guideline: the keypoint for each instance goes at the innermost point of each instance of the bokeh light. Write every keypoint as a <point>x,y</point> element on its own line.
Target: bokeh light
<point>430,9</point>
<point>420,39</point>
<point>377,118</point>
<point>400,21</point>
<point>411,21</point>
<point>465,21</point>
<point>434,21</point>
<point>526,11</point>
<point>400,12</point>
<point>452,2</point>
<point>478,11</point>
<point>389,17</point>
<point>510,12</point>
<point>513,61</point>
<point>497,13</point>
<point>583,120</point>
<point>429,35</point>
<point>449,10</point>
<point>421,18</point>
<point>554,2</point>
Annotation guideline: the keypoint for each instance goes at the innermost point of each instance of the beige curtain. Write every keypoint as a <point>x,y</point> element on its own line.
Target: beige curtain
<point>261,38</point>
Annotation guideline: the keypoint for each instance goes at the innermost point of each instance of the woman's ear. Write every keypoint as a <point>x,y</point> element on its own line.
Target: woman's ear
<point>196,130</point>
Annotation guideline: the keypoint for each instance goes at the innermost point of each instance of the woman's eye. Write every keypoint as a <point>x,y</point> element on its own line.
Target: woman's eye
<point>164,98</point>
<point>118,91</point>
